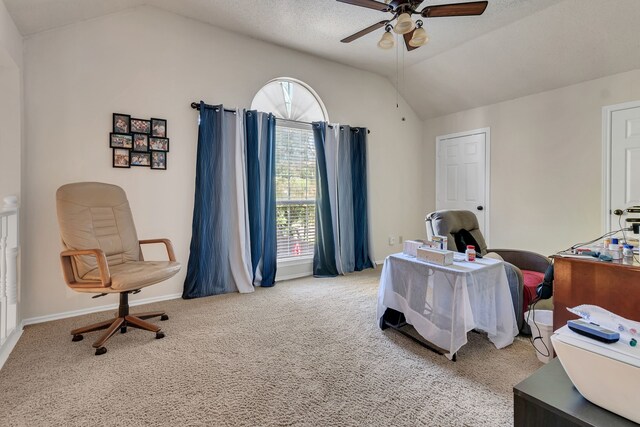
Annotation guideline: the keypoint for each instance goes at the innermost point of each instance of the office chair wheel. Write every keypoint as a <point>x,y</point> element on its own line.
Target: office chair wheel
<point>101,350</point>
<point>164,317</point>
<point>159,335</point>
<point>123,330</point>
<point>77,338</point>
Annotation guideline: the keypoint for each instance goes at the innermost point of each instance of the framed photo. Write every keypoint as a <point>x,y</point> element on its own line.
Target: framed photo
<point>121,123</point>
<point>140,142</point>
<point>159,128</point>
<point>140,126</point>
<point>159,144</point>
<point>140,159</point>
<point>120,140</point>
<point>121,158</point>
<point>158,160</point>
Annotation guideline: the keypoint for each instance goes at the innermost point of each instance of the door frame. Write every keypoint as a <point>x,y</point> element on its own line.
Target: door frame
<point>487,171</point>
<point>607,115</point>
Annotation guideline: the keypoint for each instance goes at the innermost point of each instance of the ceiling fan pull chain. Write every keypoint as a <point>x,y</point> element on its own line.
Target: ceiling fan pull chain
<point>404,80</point>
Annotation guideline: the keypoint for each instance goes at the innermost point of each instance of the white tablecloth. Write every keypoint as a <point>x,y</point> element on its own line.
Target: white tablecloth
<point>443,303</point>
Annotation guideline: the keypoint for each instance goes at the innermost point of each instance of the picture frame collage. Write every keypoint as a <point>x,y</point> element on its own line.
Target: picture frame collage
<point>139,142</point>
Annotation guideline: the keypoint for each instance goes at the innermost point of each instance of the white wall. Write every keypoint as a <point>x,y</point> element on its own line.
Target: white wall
<point>12,145</point>
<point>10,105</point>
<point>10,38</point>
<point>10,127</point>
<point>150,63</point>
<point>546,161</point>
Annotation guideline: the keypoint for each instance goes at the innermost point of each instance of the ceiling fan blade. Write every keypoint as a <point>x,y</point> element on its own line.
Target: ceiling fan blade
<point>407,37</point>
<point>364,32</point>
<point>457,9</point>
<point>371,4</point>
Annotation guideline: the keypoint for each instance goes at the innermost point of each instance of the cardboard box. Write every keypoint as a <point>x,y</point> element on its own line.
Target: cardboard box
<point>441,241</point>
<point>410,247</point>
<point>435,256</point>
<point>432,245</point>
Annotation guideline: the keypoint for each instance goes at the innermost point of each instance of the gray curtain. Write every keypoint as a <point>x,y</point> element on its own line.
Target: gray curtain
<point>342,226</point>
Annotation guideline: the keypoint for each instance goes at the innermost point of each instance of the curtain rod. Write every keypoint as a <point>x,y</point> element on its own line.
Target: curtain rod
<point>196,105</point>
<point>311,124</point>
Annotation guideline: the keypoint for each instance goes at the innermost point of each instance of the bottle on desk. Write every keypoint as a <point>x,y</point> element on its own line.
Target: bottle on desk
<point>470,253</point>
<point>614,249</point>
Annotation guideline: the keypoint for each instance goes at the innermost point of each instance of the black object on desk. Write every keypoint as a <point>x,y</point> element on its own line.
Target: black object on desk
<point>548,398</point>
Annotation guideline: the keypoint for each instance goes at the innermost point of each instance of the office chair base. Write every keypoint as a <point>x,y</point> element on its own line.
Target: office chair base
<point>123,321</point>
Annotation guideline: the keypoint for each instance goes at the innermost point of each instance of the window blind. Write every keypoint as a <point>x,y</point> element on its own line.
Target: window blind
<point>295,190</point>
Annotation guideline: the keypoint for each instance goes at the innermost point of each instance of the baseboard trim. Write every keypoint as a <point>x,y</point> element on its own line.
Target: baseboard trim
<point>9,344</point>
<point>73,313</point>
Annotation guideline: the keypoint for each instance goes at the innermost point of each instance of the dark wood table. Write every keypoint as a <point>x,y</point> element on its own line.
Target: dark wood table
<point>614,286</point>
<point>548,399</point>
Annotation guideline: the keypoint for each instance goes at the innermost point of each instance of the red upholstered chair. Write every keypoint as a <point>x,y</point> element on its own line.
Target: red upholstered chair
<point>525,269</point>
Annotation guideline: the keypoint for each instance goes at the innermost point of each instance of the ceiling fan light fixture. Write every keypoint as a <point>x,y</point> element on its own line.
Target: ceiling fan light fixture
<point>404,24</point>
<point>386,42</point>
<point>419,38</point>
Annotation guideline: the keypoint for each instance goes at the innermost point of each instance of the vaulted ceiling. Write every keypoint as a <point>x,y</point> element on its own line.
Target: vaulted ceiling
<point>517,47</point>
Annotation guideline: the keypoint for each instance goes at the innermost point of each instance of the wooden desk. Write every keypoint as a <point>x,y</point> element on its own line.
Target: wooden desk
<point>614,286</point>
<point>548,398</point>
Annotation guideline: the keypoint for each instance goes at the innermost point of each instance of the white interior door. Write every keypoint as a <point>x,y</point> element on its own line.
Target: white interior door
<point>462,174</point>
<point>625,165</point>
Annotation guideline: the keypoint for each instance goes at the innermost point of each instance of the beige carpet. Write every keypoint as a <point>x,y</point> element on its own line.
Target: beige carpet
<point>306,352</point>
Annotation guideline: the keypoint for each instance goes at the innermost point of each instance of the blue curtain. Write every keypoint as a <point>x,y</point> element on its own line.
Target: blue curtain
<point>359,185</point>
<point>341,201</point>
<point>207,270</point>
<point>220,258</point>
<point>261,195</point>
<point>324,251</point>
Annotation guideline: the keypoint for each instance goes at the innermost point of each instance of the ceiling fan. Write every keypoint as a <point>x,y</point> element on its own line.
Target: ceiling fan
<point>414,35</point>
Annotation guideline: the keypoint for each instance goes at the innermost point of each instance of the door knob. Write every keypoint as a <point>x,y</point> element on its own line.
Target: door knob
<point>479,208</point>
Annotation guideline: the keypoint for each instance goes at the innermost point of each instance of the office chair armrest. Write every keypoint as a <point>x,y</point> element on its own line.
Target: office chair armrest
<point>524,260</point>
<point>67,267</point>
<point>167,244</point>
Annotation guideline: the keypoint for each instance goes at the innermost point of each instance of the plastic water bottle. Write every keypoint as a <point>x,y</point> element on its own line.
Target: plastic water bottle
<point>470,253</point>
<point>614,250</point>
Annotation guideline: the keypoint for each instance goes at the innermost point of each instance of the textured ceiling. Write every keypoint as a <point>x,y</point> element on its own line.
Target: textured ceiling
<point>517,47</point>
<point>570,42</point>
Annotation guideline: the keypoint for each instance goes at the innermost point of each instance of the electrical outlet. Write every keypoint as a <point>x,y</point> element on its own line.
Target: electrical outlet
<point>400,239</point>
<point>392,240</point>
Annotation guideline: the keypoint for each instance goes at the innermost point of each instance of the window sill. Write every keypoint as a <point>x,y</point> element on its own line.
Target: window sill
<point>295,261</point>
<point>294,268</point>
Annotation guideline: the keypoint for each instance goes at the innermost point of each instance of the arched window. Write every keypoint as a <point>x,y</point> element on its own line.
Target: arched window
<point>290,99</point>
<point>295,105</point>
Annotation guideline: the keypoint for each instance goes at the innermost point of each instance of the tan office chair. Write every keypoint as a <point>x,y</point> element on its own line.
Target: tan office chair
<point>102,254</point>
